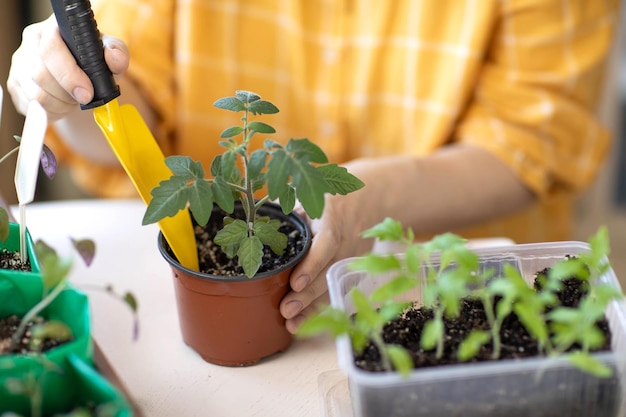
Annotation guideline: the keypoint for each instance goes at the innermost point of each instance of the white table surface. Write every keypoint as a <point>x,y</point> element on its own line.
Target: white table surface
<point>163,375</point>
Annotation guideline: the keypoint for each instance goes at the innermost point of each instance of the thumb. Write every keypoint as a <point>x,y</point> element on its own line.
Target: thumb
<point>116,54</point>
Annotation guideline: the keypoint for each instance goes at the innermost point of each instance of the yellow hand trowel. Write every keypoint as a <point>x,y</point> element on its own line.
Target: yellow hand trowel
<point>123,126</point>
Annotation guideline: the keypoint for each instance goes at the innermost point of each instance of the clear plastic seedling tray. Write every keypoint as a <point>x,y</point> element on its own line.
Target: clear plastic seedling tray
<point>526,387</point>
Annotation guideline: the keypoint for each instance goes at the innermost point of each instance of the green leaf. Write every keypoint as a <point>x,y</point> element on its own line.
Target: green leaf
<point>200,196</point>
<point>223,195</point>
<point>54,270</point>
<point>269,235</point>
<point>278,170</point>
<point>287,200</point>
<point>432,332</point>
<point>256,163</point>
<point>86,248</point>
<point>232,234</point>
<point>261,127</point>
<point>331,320</point>
<point>412,258</point>
<point>305,150</point>
<point>375,263</point>
<point>390,310</point>
<point>52,329</point>
<point>247,96</point>
<point>401,359</point>
<point>532,320</point>
<point>470,346</point>
<point>4,225</point>
<point>231,131</point>
<point>262,107</point>
<point>184,166</point>
<point>227,165</point>
<point>250,255</point>
<point>588,363</point>
<point>388,229</point>
<point>131,301</point>
<point>310,188</point>
<point>230,103</point>
<point>393,288</point>
<point>339,180</point>
<point>168,198</point>
<point>365,312</point>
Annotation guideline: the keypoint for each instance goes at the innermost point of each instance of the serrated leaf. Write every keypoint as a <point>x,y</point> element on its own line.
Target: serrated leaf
<point>227,165</point>
<point>230,103</point>
<point>48,162</point>
<point>247,96</point>
<point>230,132</point>
<point>261,127</point>
<point>262,107</point>
<point>86,248</point>
<point>4,225</point>
<point>271,145</point>
<point>256,163</point>
<point>339,180</point>
<point>250,255</point>
<point>305,150</point>
<point>184,166</point>
<point>278,170</point>
<point>168,198</point>
<point>232,234</point>
<point>310,188</point>
<point>287,200</point>
<point>223,195</point>
<point>200,196</point>
<point>269,235</point>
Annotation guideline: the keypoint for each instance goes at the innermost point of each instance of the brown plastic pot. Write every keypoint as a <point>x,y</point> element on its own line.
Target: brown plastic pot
<point>235,321</point>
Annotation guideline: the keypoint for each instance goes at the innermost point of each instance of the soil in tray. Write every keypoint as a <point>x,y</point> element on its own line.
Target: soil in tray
<point>11,260</point>
<point>8,326</point>
<point>516,341</point>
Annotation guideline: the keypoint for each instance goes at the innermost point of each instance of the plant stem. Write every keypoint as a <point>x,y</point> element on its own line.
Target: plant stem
<point>249,207</point>
<point>36,310</point>
<point>11,152</point>
<point>494,324</point>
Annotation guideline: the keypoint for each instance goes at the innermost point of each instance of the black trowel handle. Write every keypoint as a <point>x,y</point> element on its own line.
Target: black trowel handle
<point>80,32</point>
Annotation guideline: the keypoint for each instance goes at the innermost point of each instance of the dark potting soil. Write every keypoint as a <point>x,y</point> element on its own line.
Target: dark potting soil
<point>8,326</point>
<point>516,341</point>
<point>11,260</point>
<point>214,261</point>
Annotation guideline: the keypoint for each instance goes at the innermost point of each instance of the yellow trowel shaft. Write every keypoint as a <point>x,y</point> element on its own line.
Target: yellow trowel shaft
<point>127,133</point>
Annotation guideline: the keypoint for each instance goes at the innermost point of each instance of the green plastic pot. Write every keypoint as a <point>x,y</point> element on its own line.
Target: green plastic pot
<point>65,372</point>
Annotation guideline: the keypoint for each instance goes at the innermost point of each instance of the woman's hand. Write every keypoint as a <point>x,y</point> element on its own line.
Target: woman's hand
<point>43,69</point>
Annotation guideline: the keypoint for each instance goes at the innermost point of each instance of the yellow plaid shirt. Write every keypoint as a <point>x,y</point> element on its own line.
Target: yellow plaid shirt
<point>371,78</point>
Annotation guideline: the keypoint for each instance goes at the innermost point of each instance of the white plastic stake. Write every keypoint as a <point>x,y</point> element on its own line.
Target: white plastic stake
<point>27,167</point>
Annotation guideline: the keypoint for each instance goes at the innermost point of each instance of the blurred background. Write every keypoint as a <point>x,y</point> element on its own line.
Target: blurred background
<point>603,204</point>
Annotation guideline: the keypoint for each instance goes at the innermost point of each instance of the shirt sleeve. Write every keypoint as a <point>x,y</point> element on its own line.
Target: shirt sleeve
<point>535,100</point>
